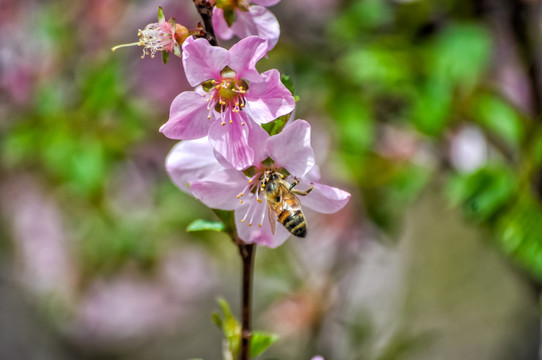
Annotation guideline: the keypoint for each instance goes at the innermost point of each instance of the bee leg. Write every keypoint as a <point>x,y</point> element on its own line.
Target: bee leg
<point>303,193</point>
<point>294,183</point>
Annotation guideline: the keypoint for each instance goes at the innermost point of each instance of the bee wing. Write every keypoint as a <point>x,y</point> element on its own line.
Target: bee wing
<point>272,216</point>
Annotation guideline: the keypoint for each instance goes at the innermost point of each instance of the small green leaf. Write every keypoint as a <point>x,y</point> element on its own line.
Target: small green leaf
<point>217,319</point>
<point>165,56</point>
<point>276,126</point>
<point>161,16</point>
<point>499,117</point>
<point>260,342</point>
<point>177,49</point>
<point>287,81</point>
<point>205,225</point>
<point>229,16</point>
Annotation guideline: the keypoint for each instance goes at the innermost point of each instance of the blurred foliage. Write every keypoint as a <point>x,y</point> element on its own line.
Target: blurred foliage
<point>423,67</point>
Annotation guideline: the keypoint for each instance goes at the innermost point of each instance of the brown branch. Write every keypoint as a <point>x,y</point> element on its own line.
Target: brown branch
<point>205,10</point>
<point>247,252</point>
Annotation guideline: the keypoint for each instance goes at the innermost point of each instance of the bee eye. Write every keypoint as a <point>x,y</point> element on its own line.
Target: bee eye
<point>277,199</point>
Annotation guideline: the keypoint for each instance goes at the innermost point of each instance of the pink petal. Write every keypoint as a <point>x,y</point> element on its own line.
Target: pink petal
<point>220,190</point>
<point>257,137</point>
<point>245,54</point>
<point>231,141</point>
<point>202,61</point>
<point>269,99</point>
<point>191,160</point>
<point>266,2</point>
<point>257,21</point>
<point>291,149</point>
<point>256,214</point>
<point>222,30</point>
<point>187,117</point>
<point>313,175</point>
<point>324,199</point>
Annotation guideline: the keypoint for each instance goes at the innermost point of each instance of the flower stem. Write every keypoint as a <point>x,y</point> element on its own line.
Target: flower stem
<point>205,10</point>
<point>247,252</point>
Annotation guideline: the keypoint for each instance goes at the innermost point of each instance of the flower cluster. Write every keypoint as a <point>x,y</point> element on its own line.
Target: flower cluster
<point>226,159</point>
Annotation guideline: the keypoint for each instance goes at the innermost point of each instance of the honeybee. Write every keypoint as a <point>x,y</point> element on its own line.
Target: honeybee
<point>283,204</point>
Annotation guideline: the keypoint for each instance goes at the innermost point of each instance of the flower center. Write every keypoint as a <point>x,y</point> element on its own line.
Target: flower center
<point>226,95</point>
<point>155,37</point>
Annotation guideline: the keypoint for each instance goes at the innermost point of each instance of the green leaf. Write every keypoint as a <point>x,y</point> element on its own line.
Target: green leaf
<point>229,16</point>
<point>205,225</point>
<point>460,54</point>
<point>484,192</point>
<point>274,127</point>
<point>161,16</point>
<point>376,66</point>
<point>230,327</point>
<point>260,341</point>
<point>165,56</point>
<point>432,107</point>
<point>287,81</point>
<point>177,49</point>
<point>499,117</point>
<point>519,234</point>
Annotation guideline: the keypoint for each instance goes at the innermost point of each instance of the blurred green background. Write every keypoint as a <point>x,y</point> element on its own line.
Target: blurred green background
<point>428,112</point>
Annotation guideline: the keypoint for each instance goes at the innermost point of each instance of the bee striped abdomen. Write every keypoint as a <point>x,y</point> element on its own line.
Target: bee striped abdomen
<point>294,222</point>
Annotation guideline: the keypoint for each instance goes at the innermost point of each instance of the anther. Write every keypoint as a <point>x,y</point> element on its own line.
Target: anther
<point>231,121</point>
<point>249,224</point>
<point>243,220</point>
<point>222,123</point>
<point>259,225</point>
<point>240,201</point>
<point>260,201</point>
<point>250,181</point>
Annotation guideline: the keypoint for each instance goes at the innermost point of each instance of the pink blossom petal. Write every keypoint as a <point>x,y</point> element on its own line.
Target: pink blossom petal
<point>231,141</point>
<point>191,160</point>
<point>291,149</point>
<point>257,214</point>
<point>187,117</point>
<point>269,99</point>
<point>266,2</point>
<point>257,137</point>
<point>245,54</point>
<point>324,199</point>
<point>313,175</point>
<point>220,25</point>
<point>257,21</point>
<point>202,61</point>
<point>220,189</point>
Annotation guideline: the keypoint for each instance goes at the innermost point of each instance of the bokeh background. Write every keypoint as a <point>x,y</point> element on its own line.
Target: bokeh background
<point>428,112</point>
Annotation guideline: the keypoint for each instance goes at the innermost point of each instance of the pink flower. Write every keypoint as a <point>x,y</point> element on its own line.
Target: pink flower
<point>238,17</point>
<point>160,36</point>
<point>220,186</point>
<point>232,100</point>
